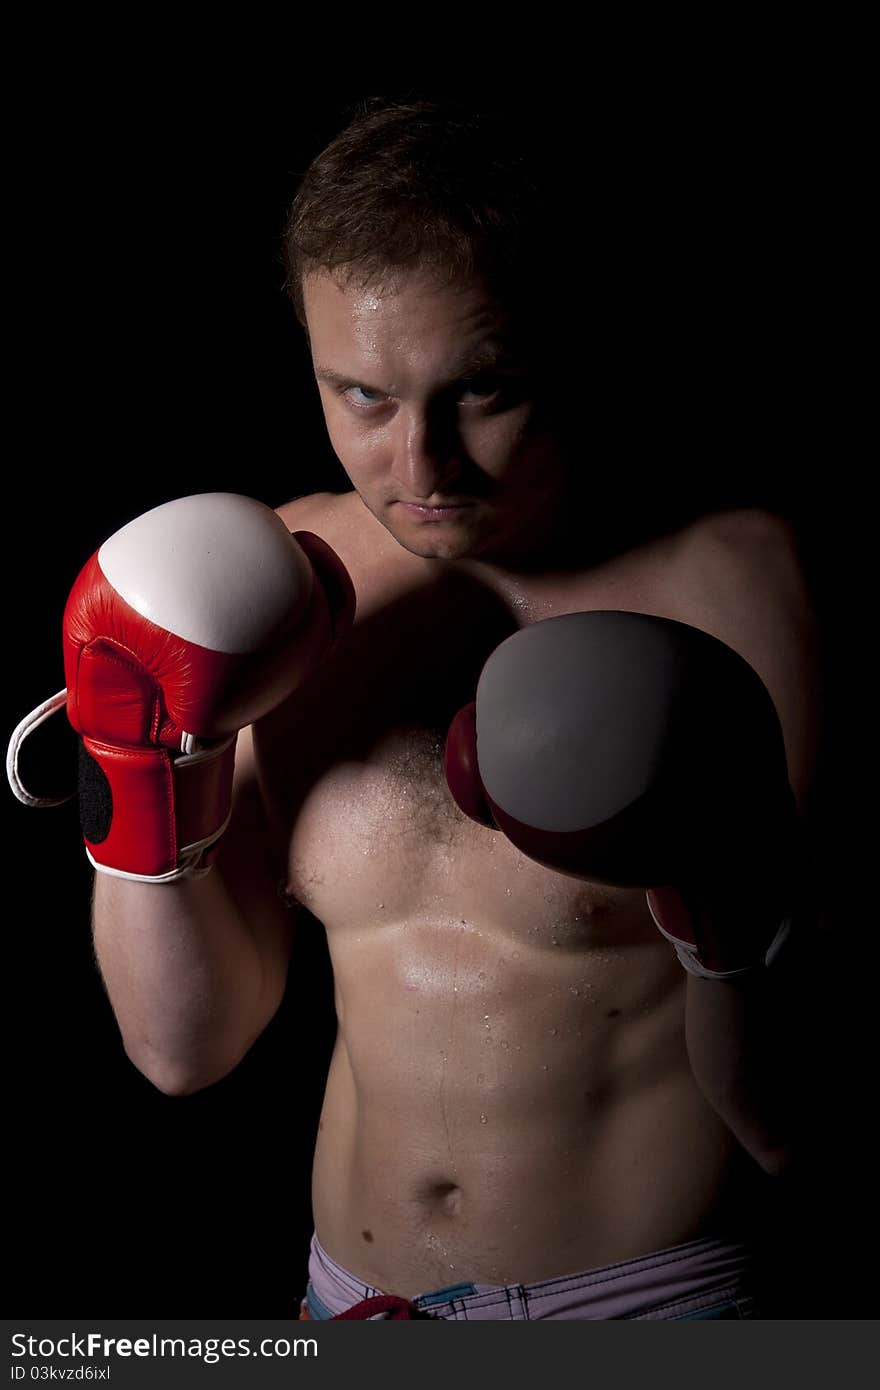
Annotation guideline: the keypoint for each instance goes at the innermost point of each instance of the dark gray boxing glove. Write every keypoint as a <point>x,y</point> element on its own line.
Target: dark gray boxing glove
<point>638,751</point>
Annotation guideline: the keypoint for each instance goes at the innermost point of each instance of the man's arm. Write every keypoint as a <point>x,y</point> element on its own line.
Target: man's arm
<point>195,969</point>
<point>750,1039</point>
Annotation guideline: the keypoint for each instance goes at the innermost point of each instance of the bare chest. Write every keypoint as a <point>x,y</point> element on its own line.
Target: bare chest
<point>356,771</point>
<point>382,839</point>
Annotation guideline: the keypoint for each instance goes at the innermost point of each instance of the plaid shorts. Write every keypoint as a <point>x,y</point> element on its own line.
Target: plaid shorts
<point>709,1278</point>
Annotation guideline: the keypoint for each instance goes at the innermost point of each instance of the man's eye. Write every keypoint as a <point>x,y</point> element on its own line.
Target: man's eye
<point>366,396</point>
<point>501,393</point>
<point>481,390</point>
<point>467,392</point>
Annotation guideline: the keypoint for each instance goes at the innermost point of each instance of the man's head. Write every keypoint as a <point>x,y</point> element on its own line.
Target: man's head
<point>421,264</point>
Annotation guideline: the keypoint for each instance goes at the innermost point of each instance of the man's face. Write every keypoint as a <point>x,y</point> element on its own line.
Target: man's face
<point>431,411</point>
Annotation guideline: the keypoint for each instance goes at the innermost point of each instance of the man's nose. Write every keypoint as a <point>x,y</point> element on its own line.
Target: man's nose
<point>427,453</point>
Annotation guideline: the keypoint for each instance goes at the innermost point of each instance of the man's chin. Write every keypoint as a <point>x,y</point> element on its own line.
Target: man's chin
<point>435,547</point>
<point>458,540</point>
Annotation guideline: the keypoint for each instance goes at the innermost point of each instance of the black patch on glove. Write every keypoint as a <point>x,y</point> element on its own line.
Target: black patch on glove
<point>95,798</point>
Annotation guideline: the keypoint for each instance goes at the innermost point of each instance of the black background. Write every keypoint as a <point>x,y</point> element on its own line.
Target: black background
<point>155,356</point>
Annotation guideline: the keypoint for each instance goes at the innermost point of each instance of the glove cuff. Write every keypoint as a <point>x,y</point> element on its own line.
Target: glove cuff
<point>195,865</point>
<point>152,816</point>
<point>688,954</point>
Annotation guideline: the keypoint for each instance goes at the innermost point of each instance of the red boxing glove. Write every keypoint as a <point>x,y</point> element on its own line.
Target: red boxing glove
<point>189,623</point>
<point>637,751</point>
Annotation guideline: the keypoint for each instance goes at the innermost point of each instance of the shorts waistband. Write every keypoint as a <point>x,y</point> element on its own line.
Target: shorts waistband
<point>709,1277</point>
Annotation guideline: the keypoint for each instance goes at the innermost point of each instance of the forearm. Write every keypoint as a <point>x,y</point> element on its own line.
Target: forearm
<point>190,983</point>
<point>747,1048</point>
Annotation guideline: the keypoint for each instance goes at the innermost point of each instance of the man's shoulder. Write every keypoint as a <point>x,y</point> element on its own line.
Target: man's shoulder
<point>375,562</point>
<point>744,534</point>
<point>740,577</point>
<point>313,510</point>
<point>747,565</point>
<point>744,569</point>
<point>338,518</point>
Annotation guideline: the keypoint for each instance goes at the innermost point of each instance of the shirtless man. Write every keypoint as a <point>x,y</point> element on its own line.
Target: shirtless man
<point>526,1086</point>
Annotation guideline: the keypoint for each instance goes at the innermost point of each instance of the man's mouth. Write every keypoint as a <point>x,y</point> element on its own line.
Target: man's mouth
<point>435,511</point>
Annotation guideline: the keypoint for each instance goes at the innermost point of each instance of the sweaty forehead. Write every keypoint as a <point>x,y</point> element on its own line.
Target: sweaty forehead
<point>413,315</point>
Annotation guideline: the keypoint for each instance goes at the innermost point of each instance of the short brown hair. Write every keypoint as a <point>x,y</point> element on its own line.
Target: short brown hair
<point>430,184</point>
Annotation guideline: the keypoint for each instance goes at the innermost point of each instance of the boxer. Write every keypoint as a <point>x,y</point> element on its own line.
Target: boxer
<point>563,1080</point>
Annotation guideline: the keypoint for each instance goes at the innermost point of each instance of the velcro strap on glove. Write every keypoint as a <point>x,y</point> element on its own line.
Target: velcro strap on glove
<point>148,814</point>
